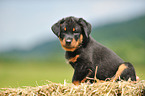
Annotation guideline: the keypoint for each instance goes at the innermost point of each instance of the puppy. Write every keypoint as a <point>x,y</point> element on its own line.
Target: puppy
<point>88,57</point>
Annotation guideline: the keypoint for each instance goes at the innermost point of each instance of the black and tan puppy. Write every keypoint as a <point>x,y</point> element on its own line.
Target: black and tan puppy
<point>84,53</point>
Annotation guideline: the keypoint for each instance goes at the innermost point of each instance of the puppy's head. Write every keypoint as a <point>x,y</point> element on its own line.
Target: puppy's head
<point>71,31</point>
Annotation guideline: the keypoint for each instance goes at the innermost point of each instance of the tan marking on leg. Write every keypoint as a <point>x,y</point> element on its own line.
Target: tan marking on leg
<point>121,68</point>
<point>90,72</point>
<point>84,80</point>
<point>74,59</point>
<point>76,83</point>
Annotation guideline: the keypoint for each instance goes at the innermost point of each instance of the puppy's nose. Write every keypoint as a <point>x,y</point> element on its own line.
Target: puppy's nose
<point>68,41</point>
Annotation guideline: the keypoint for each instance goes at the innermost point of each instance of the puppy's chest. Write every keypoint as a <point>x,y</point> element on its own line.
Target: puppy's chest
<point>73,59</point>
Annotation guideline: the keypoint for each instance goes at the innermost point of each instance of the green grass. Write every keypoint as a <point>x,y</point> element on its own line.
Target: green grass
<point>17,75</point>
<point>34,74</point>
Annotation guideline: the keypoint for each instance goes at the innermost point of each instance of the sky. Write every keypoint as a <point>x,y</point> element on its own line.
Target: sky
<point>27,23</point>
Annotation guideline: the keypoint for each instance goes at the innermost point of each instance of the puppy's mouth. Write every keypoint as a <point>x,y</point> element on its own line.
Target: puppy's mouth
<point>69,48</point>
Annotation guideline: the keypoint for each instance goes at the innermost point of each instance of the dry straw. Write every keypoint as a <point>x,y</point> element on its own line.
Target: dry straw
<point>121,88</point>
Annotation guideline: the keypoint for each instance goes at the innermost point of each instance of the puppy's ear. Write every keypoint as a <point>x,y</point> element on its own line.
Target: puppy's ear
<point>56,27</point>
<point>86,26</point>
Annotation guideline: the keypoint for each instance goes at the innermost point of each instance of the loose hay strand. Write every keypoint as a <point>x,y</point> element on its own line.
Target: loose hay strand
<point>120,88</point>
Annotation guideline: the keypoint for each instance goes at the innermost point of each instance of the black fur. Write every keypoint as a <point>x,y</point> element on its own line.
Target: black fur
<point>91,53</point>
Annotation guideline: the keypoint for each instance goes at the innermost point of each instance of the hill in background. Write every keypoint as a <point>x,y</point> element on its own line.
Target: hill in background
<point>120,37</point>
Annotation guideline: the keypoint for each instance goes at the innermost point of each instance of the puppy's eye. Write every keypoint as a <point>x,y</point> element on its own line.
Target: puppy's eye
<point>74,29</point>
<point>64,28</point>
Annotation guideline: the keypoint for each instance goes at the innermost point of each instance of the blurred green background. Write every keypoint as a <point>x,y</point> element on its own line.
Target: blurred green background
<point>45,61</point>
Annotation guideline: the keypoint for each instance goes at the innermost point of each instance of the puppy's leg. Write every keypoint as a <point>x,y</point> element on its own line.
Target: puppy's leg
<point>121,68</point>
<point>129,72</point>
<point>81,76</point>
<point>92,79</point>
<point>125,71</point>
<point>90,72</point>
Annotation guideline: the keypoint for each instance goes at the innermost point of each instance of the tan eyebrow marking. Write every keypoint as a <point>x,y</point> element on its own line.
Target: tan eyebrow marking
<point>65,29</point>
<point>74,29</point>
